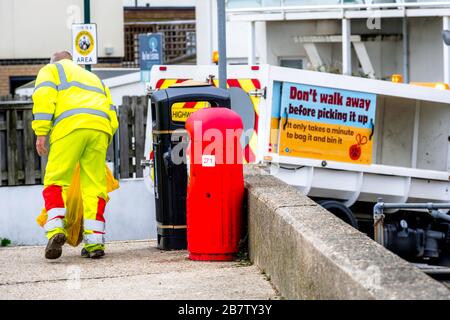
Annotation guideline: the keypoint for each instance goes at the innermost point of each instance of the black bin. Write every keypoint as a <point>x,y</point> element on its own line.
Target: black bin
<point>171,176</point>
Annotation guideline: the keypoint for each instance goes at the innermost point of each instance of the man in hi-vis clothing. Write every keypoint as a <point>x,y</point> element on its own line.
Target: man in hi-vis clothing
<point>73,106</point>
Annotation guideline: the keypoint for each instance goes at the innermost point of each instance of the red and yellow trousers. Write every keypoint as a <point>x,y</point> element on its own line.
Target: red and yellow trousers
<point>88,147</point>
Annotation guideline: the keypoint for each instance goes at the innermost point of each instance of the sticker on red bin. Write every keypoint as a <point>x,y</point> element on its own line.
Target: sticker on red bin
<point>208,160</point>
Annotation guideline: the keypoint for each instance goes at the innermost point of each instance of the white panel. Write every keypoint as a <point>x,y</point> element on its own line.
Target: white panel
<point>342,185</point>
<point>298,178</point>
<point>415,140</point>
<point>161,3</point>
<point>398,126</point>
<point>130,214</point>
<point>346,47</point>
<point>374,168</point>
<point>446,62</point>
<point>384,185</point>
<point>251,43</point>
<point>337,180</point>
<point>426,58</point>
<point>433,136</point>
<point>423,190</point>
<point>203,16</point>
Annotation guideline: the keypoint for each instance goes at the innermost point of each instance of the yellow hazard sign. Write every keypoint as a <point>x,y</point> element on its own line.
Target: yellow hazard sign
<point>182,110</point>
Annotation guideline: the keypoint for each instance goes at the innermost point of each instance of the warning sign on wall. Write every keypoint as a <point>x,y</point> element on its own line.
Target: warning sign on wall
<point>84,43</point>
<point>326,123</point>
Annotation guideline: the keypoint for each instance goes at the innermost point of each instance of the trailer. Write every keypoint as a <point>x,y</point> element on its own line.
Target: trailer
<point>344,141</point>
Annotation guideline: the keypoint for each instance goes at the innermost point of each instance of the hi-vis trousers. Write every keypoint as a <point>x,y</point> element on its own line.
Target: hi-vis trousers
<point>87,146</point>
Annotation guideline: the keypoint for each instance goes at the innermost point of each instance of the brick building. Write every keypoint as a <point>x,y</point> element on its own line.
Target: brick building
<point>32,30</point>
<point>118,29</point>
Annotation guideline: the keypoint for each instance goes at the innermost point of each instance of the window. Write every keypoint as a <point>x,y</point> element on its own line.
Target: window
<point>18,81</point>
<point>296,63</point>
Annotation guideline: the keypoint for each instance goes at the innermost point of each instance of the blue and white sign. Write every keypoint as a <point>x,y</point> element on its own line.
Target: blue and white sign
<point>328,105</point>
<point>150,53</point>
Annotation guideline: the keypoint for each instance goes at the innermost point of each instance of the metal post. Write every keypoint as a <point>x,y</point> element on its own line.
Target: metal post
<point>87,19</point>
<point>415,142</point>
<point>405,51</point>
<point>210,31</point>
<point>251,43</point>
<point>446,68</point>
<point>222,43</point>
<point>346,47</point>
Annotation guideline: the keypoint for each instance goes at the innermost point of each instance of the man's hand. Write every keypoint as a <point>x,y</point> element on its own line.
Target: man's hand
<point>40,145</point>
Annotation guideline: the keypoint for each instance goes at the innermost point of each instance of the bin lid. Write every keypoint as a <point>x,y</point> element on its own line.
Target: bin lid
<point>163,101</point>
<point>190,83</point>
<point>216,96</point>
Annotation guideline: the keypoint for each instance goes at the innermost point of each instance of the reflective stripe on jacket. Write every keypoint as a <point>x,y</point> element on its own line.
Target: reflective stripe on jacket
<point>67,97</point>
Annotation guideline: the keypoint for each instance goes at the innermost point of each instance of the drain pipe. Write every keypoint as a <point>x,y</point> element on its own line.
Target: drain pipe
<point>439,215</point>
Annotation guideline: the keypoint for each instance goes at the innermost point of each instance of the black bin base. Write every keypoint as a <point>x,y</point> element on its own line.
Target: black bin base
<point>172,239</point>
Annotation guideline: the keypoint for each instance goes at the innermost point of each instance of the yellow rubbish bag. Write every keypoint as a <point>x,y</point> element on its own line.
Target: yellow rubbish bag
<point>74,207</point>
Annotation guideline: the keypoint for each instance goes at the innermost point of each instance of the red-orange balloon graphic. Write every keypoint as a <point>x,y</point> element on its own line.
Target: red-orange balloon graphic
<point>355,150</point>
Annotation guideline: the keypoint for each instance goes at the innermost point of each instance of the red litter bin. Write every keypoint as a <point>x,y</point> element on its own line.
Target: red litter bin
<point>216,184</point>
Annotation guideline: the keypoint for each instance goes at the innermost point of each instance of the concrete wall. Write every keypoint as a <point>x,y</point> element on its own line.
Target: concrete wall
<point>36,29</point>
<point>310,254</point>
<point>130,214</point>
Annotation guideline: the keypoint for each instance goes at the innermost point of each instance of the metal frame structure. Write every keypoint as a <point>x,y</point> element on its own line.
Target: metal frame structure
<point>343,10</point>
<point>346,12</point>
<point>381,208</point>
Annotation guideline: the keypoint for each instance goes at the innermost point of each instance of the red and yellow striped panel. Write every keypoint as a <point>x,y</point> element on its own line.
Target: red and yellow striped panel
<point>165,83</point>
<point>248,85</point>
<point>181,110</point>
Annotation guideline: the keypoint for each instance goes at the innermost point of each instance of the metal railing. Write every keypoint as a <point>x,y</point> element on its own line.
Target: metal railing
<point>236,6</point>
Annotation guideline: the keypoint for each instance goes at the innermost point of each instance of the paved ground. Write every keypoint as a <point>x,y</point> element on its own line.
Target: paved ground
<point>130,270</point>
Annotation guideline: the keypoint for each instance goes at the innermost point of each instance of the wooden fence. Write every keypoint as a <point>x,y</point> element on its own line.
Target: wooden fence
<point>19,162</point>
<point>131,138</point>
<point>21,165</point>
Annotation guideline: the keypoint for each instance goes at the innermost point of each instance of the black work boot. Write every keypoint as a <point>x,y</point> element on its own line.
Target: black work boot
<point>84,253</point>
<point>54,246</point>
<point>96,254</point>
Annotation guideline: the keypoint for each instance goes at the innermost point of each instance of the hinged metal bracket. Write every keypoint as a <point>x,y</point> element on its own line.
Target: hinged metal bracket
<point>258,93</point>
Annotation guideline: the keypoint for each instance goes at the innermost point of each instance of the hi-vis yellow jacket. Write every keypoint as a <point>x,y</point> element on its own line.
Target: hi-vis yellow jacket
<point>67,97</point>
